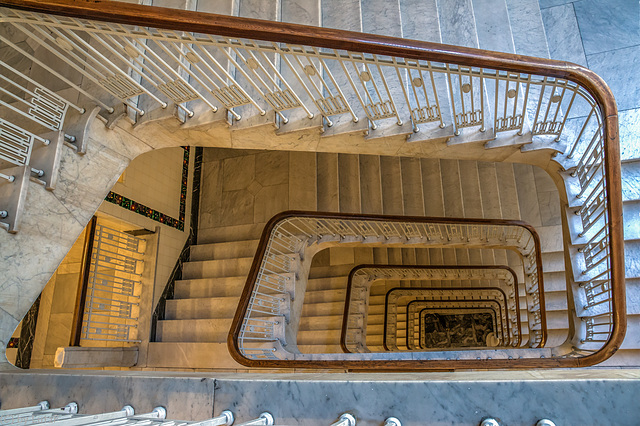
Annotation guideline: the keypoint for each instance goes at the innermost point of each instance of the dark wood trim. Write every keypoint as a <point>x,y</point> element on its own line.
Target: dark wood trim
<point>347,305</point>
<point>420,324</point>
<point>199,22</point>
<point>81,296</point>
<point>466,290</point>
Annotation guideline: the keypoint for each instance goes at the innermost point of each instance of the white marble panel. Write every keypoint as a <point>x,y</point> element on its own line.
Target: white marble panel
<point>619,68</point>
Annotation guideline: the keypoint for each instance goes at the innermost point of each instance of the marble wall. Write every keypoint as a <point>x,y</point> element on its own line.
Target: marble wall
<point>595,397</point>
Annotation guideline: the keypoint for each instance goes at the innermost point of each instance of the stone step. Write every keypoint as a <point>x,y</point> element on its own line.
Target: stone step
<point>318,337</point>
<point>507,191</point>
<point>553,262</point>
<point>370,184</point>
<point>489,190</point>
<point>201,308</point>
<point>555,301</point>
<point>349,183</point>
<point>631,181</point>
<point>632,337</point>
<point>527,28</point>
<point>631,215</point>
<point>327,322</point>
<point>323,309</point>
<point>432,188</point>
<point>226,250</point>
<point>320,349</point>
<point>412,191</point>
<point>632,259</point>
<point>209,287</point>
<point>451,188</point>
<point>230,233</point>
<point>217,268</point>
<point>198,355</point>
<point>193,330</point>
<point>470,184</point>
<point>328,182</point>
<point>391,175</point>
<point>323,296</point>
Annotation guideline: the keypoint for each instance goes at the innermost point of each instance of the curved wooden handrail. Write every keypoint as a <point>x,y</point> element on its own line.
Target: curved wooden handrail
<point>206,23</point>
<point>420,324</point>
<point>386,302</point>
<point>345,315</point>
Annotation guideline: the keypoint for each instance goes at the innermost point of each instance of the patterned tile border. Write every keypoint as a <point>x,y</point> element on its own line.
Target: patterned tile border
<point>153,214</point>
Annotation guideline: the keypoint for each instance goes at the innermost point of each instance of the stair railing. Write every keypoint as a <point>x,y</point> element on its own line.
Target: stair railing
<point>291,239</point>
<point>362,277</point>
<point>146,55</point>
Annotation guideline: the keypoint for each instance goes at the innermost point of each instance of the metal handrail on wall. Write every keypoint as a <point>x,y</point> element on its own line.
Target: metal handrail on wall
<point>565,102</point>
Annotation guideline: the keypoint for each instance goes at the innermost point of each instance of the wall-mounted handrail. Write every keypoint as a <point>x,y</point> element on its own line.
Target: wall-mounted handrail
<point>599,162</point>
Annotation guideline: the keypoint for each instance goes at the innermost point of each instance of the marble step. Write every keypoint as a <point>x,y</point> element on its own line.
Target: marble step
<point>306,12</point>
<point>328,182</point>
<point>554,281</point>
<point>631,215</point>
<point>527,28</point>
<point>327,322</point>
<point>555,301</point>
<point>632,259</point>
<point>230,233</point>
<point>632,287</point>
<point>622,358</point>
<point>382,17</point>
<point>217,268</point>
<point>320,336</point>
<point>370,184</point>
<point>270,11</point>
<point>553,262</point>
<point>527,194</point>
<point>323,296</point>
<point>323,309</point>
<point>631,181</point>
<point>226,250</point>
<point>349,183</point>
<point>451,188</point>
<point>320,349</point>
<point>432,188</point>
<point>507,191</point>
<point>632,337</point>
<point>303,183</point>
<point>489,190</point>
<point>412,191</point>
<point>472,202</point>
<point>201,308</point>
<point>209,287</point>
<point>194,330</point>
<point>391,179</point>
<point>458,27</point>
<point>427,28</point>
<point>198,355</point>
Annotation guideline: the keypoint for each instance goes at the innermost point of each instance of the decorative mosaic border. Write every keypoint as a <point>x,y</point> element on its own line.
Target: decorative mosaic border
<point>153,214</point>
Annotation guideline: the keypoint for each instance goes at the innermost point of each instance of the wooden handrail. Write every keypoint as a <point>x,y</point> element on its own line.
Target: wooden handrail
<point>347,305</point>
<point>181,20</point>
<point>386,302</point>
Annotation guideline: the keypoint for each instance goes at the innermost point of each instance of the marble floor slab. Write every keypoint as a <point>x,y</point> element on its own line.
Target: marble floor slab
<point>619,68</point>
<point>563,34</point>
<point>609,25</point>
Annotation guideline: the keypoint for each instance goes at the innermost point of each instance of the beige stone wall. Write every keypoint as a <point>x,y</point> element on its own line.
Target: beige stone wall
<point>57,306</point>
